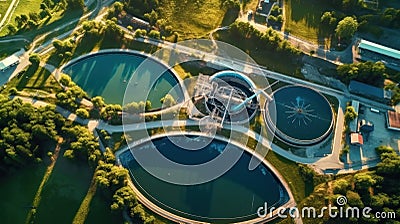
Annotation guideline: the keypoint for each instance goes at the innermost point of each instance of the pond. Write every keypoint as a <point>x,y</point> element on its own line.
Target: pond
<point>108,74</point>
<point>234,196</point>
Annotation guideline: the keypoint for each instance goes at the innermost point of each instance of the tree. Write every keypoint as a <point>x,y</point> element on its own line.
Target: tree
<point>154,34</point>
<point>65,80</point>
<point>69,154</point>
<point>379,200</point>
<point>140,33</point>
<point>346,27</point>
<point>98,102</point>
<point>390,164</point>
<point>58,45</point>
<point>24,18</point>
<point>34,59</point>
<point>18,20</point>
<point>12,29</point>
<point>363,181</point>
<point>384,149</point>
<point>328,21</point>
<point>354,199</point>
<point>13,91</point>
<point>87,25</point>
<point>83,113</point>
<point>132,108</point>
<point>231,5</point>
<point>148,105</point>
<point>350,113</point>
<point>168,100</point>
<point>43,6</point>
<point>40,133</point>
<point>351,5</point>
<point>34,16</point>
<point>340,186</point>
<point>151,17</point>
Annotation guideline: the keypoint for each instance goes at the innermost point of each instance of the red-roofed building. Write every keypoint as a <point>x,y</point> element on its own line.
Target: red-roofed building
<point>393,120</point>
<point>356,139</point>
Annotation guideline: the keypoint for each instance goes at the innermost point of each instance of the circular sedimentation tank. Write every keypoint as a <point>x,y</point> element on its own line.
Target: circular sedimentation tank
<point>233,95</point>
<point>231,198</point>
<point>303,116</point>
<point>108,73</point>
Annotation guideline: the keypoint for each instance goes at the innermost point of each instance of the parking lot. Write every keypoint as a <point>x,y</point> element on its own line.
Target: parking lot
<point>380,136</point>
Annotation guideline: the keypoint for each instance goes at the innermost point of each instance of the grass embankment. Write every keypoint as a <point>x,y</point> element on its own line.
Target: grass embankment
<point>302,18</point>
<point>290,172</point>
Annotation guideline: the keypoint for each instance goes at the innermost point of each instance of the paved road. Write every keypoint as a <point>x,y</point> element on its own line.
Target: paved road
<point>331,161</point>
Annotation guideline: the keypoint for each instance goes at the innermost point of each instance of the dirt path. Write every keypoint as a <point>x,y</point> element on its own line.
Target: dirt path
<point>83,210</point>
<point>49,171</point>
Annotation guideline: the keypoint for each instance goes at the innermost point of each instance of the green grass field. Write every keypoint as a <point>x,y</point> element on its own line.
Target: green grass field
<point>290,172</point>
<point>302,18</point>
<point>3,7</point>
<point>57,19</point>
<point>286,64</point>
<point>193,19</point>
<point>250,5</point>
<point>33,80</point>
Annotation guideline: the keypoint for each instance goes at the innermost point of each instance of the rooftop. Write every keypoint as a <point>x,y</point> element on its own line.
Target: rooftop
<point>374,47</point>
<point>356,139</point>
<point>9,61</point>
<point>393,120</point>
<point>365,89</point>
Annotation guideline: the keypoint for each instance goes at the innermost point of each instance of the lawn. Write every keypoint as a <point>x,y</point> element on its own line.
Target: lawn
<point>283,63</point>
<point>23,7</point>
<point>49,24</point>
<point>290,172</point>
<point>194,19</point>
<point>250,5</point>
<point>64,191</point>
<point>302,18</point>
<point>3,7</point>
<point>35,79</point>
<point>17,191</point>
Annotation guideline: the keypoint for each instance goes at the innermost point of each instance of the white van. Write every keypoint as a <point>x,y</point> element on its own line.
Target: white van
<point>375,110</point>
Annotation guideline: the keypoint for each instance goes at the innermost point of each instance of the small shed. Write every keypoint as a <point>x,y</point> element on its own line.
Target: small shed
<point>366,126</point>
<point>356,139</point>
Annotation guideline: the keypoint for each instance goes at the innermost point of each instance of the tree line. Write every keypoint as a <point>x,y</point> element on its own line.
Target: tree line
<point>269,40</point>
<point>48,8</point>
<point>376,188</point>
<point>24,131</point>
